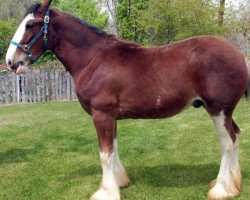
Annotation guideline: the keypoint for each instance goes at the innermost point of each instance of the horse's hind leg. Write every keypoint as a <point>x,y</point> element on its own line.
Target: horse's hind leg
<point>228,182</point>
<point>114,174</point>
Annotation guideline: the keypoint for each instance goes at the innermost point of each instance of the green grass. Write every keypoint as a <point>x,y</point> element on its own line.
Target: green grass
<point>50,151</point>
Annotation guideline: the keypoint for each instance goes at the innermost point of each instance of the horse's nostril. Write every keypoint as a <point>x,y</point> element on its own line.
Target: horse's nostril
<point>9,63</point>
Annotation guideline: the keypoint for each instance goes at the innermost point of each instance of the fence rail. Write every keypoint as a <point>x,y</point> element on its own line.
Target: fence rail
<point>36,86</point>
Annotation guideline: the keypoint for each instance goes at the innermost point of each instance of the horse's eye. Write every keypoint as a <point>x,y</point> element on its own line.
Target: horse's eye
<point>29,26</point>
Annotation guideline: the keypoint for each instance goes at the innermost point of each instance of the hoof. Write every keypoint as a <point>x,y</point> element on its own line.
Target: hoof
<point>102,194</point>
<point>121,176</point>
<point>219,193</point>
<point>237,178</point>
<point>125,184</point>
<point>123,180</point>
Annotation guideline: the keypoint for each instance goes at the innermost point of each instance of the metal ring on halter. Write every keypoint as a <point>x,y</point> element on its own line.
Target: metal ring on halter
<point>46,19</point>
<point>42,29</point>
<point>26,47</point>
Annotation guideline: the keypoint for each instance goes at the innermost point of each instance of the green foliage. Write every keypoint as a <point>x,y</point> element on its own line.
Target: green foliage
<point>158,22</point>
<point>7,30</point>
<point>127,14</point>
<point>87,10</point>
<point>171,20</point>
<point>48,56</point>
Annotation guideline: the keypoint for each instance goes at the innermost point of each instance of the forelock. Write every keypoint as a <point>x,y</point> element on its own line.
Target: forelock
<point>33,8</point>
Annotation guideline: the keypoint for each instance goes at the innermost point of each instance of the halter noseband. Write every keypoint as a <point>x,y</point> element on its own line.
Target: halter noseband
<point>44,32</point>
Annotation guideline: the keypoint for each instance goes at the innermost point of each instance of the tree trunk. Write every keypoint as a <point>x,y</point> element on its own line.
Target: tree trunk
<point>111,6</point>
<point>221,12</point>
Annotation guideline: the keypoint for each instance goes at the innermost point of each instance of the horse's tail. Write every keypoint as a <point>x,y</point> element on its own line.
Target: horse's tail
<point>247,92</point>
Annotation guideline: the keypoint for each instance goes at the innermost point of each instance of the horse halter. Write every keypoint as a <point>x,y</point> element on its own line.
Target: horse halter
<point>44,32</point>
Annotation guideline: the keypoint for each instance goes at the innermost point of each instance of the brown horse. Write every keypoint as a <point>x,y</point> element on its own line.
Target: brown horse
<point>118,79</point>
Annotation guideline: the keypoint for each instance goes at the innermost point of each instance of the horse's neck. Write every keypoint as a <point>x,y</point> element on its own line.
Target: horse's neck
<point>73,47</point>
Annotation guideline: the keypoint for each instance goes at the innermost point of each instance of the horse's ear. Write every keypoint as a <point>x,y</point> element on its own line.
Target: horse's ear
<point>45,5</point>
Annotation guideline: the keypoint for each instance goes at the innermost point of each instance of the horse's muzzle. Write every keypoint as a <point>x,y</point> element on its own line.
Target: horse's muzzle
<point>17,65</point>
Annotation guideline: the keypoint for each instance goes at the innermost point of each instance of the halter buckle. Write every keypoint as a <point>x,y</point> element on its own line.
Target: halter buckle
<point>26,47</point>
<point>30,57</point>
<point>45,37</point>
<point>46,19</point>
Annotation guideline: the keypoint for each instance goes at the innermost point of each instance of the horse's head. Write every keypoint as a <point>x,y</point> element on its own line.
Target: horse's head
<point>30,39</point>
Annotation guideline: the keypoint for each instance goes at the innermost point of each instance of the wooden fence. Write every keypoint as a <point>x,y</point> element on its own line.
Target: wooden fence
<point>36,86</point>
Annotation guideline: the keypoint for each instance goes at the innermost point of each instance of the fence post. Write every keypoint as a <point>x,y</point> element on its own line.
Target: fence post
<point>52,78</point>
<point>1,91</point>
<point>30,86</point>
<point>18,88</point>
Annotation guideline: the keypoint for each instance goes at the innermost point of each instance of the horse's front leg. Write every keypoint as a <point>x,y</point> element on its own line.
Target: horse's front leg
<point>113,172</point>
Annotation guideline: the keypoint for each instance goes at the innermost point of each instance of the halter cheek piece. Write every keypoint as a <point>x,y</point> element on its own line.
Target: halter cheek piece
<point>44,32</point>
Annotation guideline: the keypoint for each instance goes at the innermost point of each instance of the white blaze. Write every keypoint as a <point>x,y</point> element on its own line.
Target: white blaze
<point>18,37</point>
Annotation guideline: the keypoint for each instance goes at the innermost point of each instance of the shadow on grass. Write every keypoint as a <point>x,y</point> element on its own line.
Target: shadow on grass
<point>172,175</point>
<point>15,155</point>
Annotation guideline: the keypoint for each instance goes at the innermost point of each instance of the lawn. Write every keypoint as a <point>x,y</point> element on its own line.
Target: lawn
<point>49,151</point>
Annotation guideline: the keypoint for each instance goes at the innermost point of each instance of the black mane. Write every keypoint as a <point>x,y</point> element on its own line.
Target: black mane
<point>86,24</point>
<point>33,8</point>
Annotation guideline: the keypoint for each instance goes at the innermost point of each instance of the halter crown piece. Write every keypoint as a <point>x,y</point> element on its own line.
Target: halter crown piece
<point>44,32</point>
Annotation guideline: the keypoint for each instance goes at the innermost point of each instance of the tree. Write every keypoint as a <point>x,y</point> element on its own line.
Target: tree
<point>87,10</point>
<point>221,12</point>
<point>194,17</point>
<point>241,34</point>
<point>156,22</point>
<point>111,6</point>
<point>127,13</point>
<point>244,16</point>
